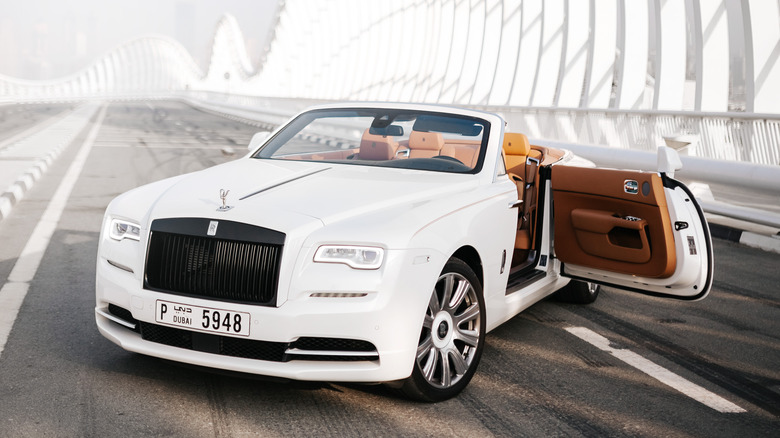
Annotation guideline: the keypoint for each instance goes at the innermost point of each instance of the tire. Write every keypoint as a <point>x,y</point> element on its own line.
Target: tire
<point>452,336</point>
<point>578,292</point>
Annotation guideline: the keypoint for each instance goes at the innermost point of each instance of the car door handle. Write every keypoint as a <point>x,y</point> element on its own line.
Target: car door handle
<point>515,204</point>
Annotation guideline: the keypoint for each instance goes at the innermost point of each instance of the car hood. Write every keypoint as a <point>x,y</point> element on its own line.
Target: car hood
<point>275,192</point>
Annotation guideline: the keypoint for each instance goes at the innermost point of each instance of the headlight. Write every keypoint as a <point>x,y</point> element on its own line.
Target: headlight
<point>357,257</point>
<point>122,229</point>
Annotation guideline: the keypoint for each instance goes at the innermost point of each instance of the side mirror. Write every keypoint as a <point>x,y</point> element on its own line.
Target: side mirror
<point>258,139</point>
<point>668,161</point>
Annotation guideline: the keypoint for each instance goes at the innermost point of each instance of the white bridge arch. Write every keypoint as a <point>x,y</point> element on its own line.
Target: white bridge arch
<point>145,67</point>
<point>624,73</point>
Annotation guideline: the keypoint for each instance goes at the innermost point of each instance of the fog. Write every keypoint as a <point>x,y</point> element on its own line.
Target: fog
<point>47,39</point>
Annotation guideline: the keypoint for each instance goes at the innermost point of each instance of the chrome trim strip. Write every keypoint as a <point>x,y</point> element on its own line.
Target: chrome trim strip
<point>120,266</point>
<point>298,351</point>
<point>338,294</point>
<point>119,321</point>
<point>283,183</point>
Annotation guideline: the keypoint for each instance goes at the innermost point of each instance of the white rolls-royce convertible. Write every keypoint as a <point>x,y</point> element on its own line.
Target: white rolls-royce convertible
<point>381,243</point>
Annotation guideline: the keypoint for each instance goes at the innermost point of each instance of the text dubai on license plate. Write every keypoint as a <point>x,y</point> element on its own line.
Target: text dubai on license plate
<point>203,319</point>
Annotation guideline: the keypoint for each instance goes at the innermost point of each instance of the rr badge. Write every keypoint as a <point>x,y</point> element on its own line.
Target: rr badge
<point>212,231</point>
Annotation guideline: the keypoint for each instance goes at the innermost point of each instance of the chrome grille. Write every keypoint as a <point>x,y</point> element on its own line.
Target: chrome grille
<point>214,267</point>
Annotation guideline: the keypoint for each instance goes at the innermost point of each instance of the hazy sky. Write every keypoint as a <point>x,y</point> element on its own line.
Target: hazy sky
<point>46,39</point>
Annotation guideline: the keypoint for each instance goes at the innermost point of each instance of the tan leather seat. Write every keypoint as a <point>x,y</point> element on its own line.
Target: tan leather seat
<point>377,147</point>
<point>465,151</point>
<point>425,144</point>
<point>522,164</point>
<point>516,149</point>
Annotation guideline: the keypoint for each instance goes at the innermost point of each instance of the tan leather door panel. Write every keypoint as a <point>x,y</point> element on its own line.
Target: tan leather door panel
<point>614,220</point>
<point>605,234</point>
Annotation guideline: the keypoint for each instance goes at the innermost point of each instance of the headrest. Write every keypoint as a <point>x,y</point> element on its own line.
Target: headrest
<point>367,136</point>
<point>432,141</point>
<point>377,147</point>
<point>516,144</point>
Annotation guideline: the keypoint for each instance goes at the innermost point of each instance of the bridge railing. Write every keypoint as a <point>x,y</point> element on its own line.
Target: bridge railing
<point>734,137</point>
<point>731,136</point>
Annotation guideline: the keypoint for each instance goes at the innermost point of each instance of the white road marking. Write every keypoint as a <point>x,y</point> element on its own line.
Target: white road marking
<point>657,372</point>
<point>15,289</point>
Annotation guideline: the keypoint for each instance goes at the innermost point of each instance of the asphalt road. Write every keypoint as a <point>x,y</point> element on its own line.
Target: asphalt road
<point>59,377</point>
<point>16,118</point>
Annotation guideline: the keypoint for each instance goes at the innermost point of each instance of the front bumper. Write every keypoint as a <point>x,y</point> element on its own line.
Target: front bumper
<point>389,317</point>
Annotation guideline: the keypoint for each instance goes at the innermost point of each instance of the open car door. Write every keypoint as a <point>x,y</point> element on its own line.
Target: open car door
<point>641,231</point>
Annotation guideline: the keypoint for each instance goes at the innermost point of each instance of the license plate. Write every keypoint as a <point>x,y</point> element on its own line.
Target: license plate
<point>204,319</point>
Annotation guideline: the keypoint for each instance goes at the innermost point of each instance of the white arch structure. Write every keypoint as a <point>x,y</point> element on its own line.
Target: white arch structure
<point>624,73</point>
<point>148,67</point>
<point>539,53</point>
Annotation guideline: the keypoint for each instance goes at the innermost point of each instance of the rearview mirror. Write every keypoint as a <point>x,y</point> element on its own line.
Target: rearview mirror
<point>668,161</point>
<point>390,130</point>
<point>258,139</point>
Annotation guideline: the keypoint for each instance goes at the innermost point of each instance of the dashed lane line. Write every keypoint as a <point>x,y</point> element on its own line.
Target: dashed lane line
<point>657,372</point>
<point>15,289</point>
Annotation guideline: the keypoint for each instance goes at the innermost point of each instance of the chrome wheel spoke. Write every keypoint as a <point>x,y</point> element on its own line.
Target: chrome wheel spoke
<point>431,363</point>
<point>461,290</point>
<point>428,322</point>
<point>433,304</point>
<point>446,378</point>
<point>469,337</point>
<point>468,315</point>
<point>458,362</point>
<point>449,284</point>
<point>424,348</point>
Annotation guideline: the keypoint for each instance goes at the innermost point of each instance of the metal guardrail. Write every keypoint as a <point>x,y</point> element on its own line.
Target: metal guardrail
<point>733,136</point>
<point>743,137</point>
<point>752,176</point>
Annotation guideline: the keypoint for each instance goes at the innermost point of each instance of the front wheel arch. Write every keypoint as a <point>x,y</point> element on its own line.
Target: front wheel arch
<point>470,256</point>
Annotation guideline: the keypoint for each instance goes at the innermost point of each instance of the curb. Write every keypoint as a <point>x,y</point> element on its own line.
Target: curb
<point>65,134</point>
<point>747,238</point>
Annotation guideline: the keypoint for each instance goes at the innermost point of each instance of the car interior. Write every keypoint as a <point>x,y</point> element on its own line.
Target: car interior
<point>608,219</point>
<point>523,161</point>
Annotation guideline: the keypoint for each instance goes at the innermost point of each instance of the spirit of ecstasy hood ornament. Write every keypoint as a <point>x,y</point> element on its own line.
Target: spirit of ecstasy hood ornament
<point>223,196</point>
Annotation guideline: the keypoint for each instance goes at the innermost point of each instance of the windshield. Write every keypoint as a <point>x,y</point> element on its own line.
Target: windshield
<point>383,137</point>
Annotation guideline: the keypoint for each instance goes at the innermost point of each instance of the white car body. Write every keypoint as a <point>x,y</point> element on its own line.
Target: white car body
<point>419,219</point>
